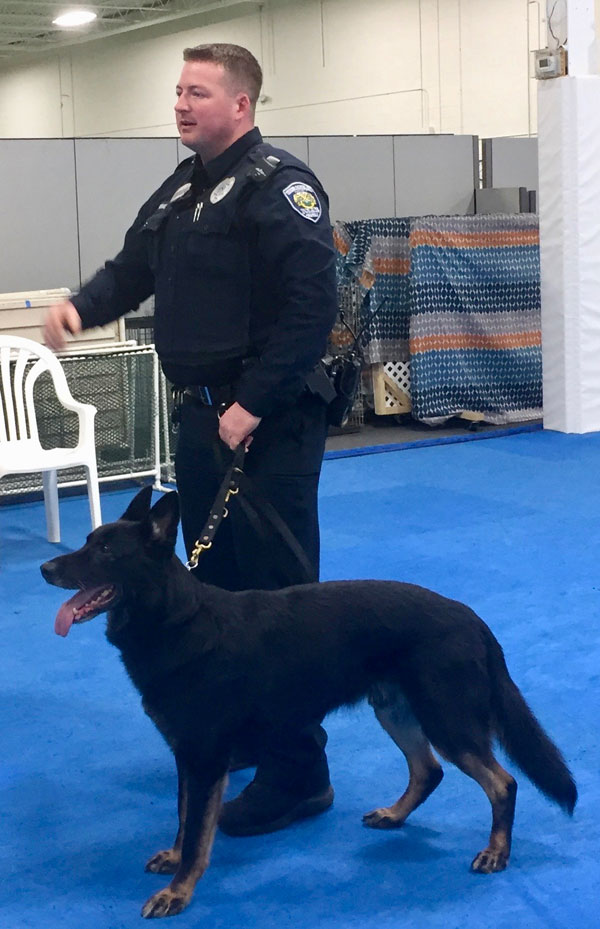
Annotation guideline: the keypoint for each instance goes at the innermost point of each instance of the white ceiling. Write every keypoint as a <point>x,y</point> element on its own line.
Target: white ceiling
<point>26,25</point>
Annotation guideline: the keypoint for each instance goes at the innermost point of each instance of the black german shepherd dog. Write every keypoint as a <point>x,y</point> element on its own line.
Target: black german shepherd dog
<point>218,670</point>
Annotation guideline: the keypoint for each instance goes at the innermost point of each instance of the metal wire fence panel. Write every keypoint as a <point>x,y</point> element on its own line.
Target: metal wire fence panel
<point>350,300</point>
<point>121,385</point>
<point>140,328</point>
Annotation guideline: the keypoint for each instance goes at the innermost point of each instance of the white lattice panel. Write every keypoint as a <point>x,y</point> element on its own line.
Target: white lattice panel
<point>391,387</point>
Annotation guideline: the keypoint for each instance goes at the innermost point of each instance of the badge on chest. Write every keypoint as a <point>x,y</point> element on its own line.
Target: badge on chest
<point>222,189</point>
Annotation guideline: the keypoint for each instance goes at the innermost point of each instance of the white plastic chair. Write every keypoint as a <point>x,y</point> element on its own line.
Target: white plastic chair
<point>21,363</point>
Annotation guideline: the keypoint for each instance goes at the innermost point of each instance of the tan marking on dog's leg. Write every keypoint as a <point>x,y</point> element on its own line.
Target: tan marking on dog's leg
<point>174,898</point>
<point>209,827</point>
<point>168,860</point>
<point>425,772</point>
<point>501,790</point>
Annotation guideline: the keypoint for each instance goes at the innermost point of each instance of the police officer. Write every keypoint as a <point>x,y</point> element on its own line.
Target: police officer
<point>237,248</point>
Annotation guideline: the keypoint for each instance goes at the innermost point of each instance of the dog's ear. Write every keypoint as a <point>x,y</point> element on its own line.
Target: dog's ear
<point>140,505</point>
<point>163,519</point>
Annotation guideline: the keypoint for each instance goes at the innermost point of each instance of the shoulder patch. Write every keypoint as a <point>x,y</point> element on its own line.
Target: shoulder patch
<point>304,200</point>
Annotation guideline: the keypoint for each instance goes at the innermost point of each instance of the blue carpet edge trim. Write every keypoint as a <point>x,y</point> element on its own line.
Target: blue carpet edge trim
<point>424,443</point>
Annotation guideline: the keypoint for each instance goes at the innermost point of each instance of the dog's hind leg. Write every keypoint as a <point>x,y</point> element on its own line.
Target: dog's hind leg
<point>203,806</point>
<point>167,861</point>
<point>450,693</point>
<point>501,790</point>
<point>425,773</point>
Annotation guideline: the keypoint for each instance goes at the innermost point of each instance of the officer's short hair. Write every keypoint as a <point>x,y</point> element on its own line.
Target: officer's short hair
<point>240,65</point>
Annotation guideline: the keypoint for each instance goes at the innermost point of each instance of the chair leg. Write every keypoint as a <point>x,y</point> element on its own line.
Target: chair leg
<point>91,472</point>
<point>51,505</point>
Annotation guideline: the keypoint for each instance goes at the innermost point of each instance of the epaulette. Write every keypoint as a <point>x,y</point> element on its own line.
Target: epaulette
<point>263,168</point>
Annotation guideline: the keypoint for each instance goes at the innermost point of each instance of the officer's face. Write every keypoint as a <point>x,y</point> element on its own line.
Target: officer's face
<point>210,115</point>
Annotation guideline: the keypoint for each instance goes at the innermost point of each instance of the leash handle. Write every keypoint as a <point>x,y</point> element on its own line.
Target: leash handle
<point>230,486</point>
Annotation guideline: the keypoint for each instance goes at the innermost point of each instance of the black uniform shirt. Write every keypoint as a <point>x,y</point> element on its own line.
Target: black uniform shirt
<point>280,229</point>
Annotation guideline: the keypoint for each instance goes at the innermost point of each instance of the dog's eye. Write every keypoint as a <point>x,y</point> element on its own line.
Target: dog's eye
<point>105,548</point>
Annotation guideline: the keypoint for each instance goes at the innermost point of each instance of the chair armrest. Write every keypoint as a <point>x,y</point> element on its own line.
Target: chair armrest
<point>86,413</point>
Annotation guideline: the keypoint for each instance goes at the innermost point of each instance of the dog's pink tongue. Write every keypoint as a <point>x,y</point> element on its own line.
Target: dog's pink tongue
<point>64,617</point>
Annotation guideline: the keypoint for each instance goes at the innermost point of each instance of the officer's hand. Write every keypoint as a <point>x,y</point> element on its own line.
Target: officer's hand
<point>236,425</point>
<point>60,318</point>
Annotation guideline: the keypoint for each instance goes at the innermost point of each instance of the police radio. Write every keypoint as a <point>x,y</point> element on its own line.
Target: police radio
<point>336,378</point>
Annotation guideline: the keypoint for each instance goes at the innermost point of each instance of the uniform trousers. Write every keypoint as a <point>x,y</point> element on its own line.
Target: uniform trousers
<point>284,464</point>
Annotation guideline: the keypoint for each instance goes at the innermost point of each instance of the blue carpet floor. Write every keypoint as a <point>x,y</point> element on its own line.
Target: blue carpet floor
<point>87,788</point>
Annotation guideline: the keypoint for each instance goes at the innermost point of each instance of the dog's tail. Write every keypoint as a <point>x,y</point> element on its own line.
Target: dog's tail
<point>524,739</point>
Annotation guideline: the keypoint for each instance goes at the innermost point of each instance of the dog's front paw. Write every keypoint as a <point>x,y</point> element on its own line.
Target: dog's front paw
<point>165,862</point>
<point>167,902</point>
<point>383,818</point>
<point>490,860</point>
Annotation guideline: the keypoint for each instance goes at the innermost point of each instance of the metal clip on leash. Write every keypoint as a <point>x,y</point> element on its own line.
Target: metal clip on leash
<point>177,394</point>
<point>229,488</point>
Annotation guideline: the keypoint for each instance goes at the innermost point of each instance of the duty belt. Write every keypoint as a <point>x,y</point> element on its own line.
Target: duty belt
<point>218,397</point>
<point>210,396</point>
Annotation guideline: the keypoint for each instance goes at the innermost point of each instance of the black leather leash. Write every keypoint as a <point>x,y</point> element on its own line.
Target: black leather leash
<point>258,511</point>
<point>218,512</point>
<point>293,566</point>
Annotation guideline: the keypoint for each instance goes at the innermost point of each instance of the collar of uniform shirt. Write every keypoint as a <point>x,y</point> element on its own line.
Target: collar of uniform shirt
<point>206,175</point>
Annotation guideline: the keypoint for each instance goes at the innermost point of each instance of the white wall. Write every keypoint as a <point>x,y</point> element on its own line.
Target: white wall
<point>30,101</point>
<point>331,67</point>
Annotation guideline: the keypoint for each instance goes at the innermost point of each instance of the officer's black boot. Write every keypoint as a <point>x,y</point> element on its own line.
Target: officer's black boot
<point>291,783</point>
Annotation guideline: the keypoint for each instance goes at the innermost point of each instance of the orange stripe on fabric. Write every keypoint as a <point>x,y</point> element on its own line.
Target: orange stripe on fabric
<point>431,343</point>
<point>391,265</point>
<point>439,238</point>
<point>342,245</point>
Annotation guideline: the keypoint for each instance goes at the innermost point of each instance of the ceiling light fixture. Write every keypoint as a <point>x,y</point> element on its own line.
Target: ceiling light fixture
<point>74,18</point>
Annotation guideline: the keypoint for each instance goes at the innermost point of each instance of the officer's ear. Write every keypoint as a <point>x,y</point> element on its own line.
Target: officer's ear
<point>243,104</point>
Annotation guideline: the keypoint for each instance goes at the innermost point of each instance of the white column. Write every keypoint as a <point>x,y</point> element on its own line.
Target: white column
<point>581,32</point>
<point>569,205</point>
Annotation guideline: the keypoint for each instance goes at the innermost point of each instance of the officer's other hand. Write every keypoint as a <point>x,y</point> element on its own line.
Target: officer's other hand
<point>60,318</point>
<point>236,425</point>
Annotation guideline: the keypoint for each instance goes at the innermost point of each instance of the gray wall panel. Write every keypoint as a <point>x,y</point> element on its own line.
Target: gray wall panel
<point>297,145</point>
<point>510,162</point>
<point>182,151</point>
<point>366,177</point>
<point>38,232</point>
<point>357,172</point>
<point>435,174</point>
<point>502,200</point>
<point>114,178</point>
